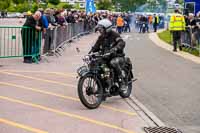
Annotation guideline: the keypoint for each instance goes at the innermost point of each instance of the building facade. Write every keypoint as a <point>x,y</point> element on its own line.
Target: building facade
<point>193,6</point>
<point>73,2</point>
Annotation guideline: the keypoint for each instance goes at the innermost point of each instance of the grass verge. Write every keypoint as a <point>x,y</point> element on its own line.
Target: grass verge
<point>166,37</point>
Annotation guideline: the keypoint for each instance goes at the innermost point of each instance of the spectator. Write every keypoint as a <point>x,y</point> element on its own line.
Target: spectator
<point>30,36</point>
<point>43,22</point>
<point>155,22</point>
<point>60,19</point>
<point>52,18</point>
<point>29,13</point>
<point>176,26</point>
<point>186,36</point>
<point>2,14</point>
<point>49,35</point>
<point>127,23</point>
<point>120,24</point>
<point>70,18</point>
<point>193,26</point>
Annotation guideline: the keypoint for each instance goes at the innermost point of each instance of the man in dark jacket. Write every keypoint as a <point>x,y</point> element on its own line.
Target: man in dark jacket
<point>111,42</point>
<point>30,36</point>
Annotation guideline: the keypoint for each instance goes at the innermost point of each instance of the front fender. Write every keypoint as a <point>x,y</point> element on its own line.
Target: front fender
<point>86,73</point>
<point>82,71</point>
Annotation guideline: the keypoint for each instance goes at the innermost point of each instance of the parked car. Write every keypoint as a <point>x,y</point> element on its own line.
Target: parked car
<point>15,15</point>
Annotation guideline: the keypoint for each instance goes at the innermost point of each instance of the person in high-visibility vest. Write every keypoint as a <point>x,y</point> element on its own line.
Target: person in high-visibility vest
<point>155,22</point>
<point>176,26</point>
<point>120,24</point>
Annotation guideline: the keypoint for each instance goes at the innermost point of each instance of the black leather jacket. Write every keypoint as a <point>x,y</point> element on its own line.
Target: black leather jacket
<point>110,43</point>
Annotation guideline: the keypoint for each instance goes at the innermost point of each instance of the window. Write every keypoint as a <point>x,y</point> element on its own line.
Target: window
<point>81,5</point>
<point>190,6</point>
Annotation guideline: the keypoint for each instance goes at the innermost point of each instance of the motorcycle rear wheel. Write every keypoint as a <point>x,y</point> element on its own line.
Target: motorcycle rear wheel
<point>89,88</point>
<point>127,93</point>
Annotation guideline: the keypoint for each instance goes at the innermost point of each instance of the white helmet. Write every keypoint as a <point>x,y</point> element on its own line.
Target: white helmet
<point>105,23</point>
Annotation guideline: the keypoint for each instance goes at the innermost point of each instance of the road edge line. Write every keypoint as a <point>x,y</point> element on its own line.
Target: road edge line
<point>152,117</point>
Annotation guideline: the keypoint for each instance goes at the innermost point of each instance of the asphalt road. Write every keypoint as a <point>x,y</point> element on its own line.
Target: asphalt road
<point>42,98</point>
<point>168,85</point>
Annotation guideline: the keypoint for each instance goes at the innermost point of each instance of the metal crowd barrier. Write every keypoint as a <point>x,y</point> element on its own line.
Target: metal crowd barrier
<point>26,42</point>
<point>190,39</point>
<point>57,37</point>
<point>19,42</point>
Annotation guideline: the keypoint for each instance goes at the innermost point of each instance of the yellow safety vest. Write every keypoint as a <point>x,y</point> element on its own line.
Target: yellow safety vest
<point>177,22</point>
<point>154,20</point>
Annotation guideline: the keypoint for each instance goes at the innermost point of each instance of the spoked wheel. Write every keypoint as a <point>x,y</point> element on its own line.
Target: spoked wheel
<point>90,91</point>
<point>127,92</point>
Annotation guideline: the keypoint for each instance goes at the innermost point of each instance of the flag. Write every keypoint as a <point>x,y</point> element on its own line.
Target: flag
<point>90,7</point>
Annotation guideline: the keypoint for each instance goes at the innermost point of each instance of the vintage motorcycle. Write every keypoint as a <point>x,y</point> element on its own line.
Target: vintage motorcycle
<point>98,80</point>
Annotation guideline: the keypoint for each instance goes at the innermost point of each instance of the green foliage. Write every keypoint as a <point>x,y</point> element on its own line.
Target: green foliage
<point>54,2</point>
<point>49,5</point>
<point>34,7</point>
<point>4,4</point>
<point>67,6</point>
<point>104,5</point>
<point>165,36</point>
<point>77,6</point>
<point>11,8</point>
<point>64,6</point>
<point>18,1</point>
<point>128,5</point>
<point>180,1</point>
<point>60,6</point>
<point>42,5</point>
<point>24,7</point>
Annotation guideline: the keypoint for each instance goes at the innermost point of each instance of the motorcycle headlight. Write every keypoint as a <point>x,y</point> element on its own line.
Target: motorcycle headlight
<point>86,59</point>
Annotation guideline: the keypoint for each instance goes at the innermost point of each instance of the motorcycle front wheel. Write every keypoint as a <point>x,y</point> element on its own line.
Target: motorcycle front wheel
<point>90,91</point>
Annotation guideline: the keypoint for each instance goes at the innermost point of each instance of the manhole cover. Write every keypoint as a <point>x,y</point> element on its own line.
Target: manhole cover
<point>161,130</point>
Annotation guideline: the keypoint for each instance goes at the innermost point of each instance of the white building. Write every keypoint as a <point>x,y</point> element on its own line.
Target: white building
<point>72,2</point>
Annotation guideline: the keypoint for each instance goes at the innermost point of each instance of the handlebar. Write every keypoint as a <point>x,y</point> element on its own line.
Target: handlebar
<point>99,55</point>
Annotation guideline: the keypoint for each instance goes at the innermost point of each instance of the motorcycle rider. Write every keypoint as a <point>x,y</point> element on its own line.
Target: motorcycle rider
<point>110,41</point>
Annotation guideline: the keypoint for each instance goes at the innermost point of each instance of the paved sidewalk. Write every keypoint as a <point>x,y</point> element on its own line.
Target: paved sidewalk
<point>154,37</point>
<point>55,105</point>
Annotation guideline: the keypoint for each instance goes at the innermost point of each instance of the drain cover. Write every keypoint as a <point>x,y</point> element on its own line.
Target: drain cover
<point>161,130</point>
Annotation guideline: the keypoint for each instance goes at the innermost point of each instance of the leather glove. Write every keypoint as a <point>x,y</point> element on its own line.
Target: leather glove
<point>113,51</point>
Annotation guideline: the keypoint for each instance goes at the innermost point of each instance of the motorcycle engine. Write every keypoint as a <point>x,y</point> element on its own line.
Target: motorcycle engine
<point>106,71</point>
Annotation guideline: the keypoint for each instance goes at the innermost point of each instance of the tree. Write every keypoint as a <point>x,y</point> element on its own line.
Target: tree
<point>67,6</point>
<point>54,2</point>
<point>18,1</point>
<point>104,4</point>
<point>24,7</point>
<point>128,5</point>
<point>4,4</point>
<point>64,6</point>
<point>77,6</point>
<point>34,7</point>
<point>180,1</point>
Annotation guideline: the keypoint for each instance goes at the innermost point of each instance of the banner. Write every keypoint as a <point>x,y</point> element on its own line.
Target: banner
<point>90,7</point>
